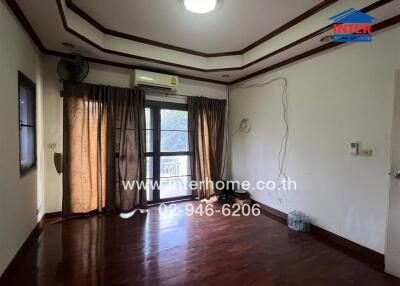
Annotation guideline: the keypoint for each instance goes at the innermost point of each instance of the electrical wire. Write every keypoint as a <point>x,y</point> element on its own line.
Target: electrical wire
<point>281,177</point>
<point>283,145</point>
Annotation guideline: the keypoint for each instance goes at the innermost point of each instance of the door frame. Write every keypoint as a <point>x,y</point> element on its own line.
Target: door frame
<point>156,107</point>
<point>392,245</point>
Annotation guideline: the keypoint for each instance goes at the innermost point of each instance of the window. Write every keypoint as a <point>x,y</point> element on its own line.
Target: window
<point>167,151</point>
<point>27,123</point>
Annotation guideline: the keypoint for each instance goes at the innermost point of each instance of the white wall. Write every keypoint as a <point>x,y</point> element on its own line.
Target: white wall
<point>335,98</point>
<point>99,74</point>
<point>21,198</point>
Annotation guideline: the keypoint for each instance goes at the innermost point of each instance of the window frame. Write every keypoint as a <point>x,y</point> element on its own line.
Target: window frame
<point>156,154</point>
<point>24,81</point>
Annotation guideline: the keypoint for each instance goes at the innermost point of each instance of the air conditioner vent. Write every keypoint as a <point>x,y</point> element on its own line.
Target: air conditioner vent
<point>156,80</point>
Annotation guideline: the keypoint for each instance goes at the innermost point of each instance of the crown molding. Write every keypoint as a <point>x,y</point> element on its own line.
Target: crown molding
<point>379,26</point>
<point>130,66</point>
<point>12,4</point>
<point>17,11</point>
<point>75,8</point>
<point>369,8</point>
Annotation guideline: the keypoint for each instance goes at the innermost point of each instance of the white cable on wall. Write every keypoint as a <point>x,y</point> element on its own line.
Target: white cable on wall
<point>283,145</point>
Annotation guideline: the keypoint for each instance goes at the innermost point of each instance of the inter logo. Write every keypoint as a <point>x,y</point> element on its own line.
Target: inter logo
<point>352,25</point>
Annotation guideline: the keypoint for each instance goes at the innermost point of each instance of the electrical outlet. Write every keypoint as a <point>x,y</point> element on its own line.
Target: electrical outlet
<point>52,146</point>
<point>367,153</point>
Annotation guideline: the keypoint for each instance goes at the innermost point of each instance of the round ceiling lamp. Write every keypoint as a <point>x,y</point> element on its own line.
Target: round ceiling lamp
<point>200,6</point>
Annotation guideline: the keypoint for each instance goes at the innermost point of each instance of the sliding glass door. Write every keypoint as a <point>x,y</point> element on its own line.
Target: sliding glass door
<point>167,151</point>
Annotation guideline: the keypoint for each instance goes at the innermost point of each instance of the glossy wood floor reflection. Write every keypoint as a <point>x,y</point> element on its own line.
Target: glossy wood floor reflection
<point>176,249</point>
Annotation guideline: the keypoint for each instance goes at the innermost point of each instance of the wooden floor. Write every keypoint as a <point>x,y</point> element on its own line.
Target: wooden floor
<point>176,249</point>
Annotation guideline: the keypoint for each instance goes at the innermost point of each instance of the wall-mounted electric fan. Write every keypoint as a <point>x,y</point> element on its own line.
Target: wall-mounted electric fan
<point>72,68</point>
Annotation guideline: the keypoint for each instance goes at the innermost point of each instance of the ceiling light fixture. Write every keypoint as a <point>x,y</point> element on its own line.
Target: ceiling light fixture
<point>326,39</point>
<point>68,45</point>
<point>200,6</point>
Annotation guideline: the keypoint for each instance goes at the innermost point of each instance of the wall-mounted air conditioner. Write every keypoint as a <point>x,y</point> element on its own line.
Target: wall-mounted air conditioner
<point>156,80</point>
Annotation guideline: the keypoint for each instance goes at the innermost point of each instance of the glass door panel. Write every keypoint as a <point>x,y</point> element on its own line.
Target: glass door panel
<point>167,152</point>
<point>174,156</point>
<point>174,176</point>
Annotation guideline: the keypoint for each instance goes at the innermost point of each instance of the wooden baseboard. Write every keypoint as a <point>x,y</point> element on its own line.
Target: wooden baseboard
<point>21,253</point>
<point>53,215</point>
<point>351,248</point>
<point>271,212</point>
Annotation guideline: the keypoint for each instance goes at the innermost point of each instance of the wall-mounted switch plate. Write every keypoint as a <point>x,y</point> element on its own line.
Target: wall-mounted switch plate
<point>354,148</point>
<point>52,145</point>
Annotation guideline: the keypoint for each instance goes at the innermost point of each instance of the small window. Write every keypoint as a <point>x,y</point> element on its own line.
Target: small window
<point>27,123</point>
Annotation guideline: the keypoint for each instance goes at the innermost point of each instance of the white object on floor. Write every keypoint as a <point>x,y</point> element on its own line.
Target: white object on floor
<point>127,215</point>
<point>211,200</point>
<point>132,213</point>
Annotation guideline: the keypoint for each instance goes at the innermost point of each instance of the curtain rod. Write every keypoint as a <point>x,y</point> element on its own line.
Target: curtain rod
<point>166,94</point>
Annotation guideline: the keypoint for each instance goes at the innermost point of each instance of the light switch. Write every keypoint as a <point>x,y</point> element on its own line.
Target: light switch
<point>354,148</point>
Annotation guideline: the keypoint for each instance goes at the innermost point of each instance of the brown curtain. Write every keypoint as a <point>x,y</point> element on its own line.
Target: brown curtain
<point>103,146</point>
<point>206,125</point>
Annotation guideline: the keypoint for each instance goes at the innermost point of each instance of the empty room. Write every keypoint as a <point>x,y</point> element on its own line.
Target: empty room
<point>199,142</point>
